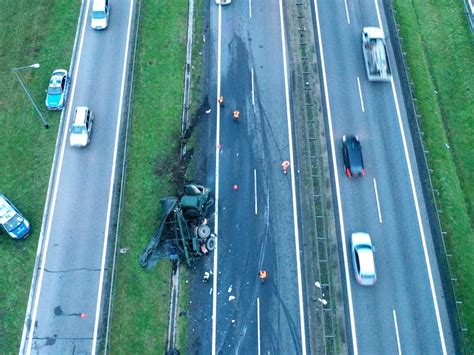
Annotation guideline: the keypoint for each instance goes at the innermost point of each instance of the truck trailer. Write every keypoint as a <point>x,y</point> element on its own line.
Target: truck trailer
<point>375,54</point>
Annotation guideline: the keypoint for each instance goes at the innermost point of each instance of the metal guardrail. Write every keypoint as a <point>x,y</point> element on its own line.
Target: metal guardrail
<point>305,80</point>
<point>429,193</point>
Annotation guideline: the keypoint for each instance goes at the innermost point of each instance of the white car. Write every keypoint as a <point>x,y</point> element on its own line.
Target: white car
<point>80,132</point>
<point>363,259</point>
<point>100,14</point>
<point>223,2</point>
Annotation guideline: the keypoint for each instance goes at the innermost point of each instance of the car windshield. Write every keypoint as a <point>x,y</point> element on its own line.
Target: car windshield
<point>54,91</point>
<point>13,222</point>
<point>98,14</point>
<point>76,129</point>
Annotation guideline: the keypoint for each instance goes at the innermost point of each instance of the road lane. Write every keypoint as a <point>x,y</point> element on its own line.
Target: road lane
<point>403,279</point>
<point>253,82</point>
<point>63,316</point>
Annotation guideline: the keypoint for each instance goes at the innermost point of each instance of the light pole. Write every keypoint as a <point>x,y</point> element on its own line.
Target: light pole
<point>40,115</point>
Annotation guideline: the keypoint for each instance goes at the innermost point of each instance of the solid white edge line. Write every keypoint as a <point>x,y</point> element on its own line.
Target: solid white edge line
<point>112,182</point>
<point>420,223</point>
<point>347,13</point>
<point>253,90</point>
<point>378,15</point>
<point>336,181</point>
<point>396,332</point>
<point>55,192</point>
<point>255,189</point>
<point>250,8</point>
<point>293,185</point>
<point>48,200</point>
<point>216,194</point>
<point>360,95</point>
<point>377,200</point>
<point>258,327</point>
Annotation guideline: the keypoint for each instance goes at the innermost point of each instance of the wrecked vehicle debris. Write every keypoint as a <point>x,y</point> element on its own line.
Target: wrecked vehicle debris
<point>183,233</point>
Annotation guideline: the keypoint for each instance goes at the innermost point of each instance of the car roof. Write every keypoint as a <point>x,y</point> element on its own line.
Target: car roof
<point>366,259</point>
<point>80,116</point>
<point>354,151</point>
<point>362,242</point>
<point>6,210</point>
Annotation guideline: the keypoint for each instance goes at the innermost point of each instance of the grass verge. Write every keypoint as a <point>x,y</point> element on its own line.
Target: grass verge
<point>42,32</point>
<point>440,57</point>
<point>140,312</point>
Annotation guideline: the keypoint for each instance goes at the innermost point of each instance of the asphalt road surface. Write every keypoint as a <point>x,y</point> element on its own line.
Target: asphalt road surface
<point>404,312</point>
<point>64,316</point>
<point>255,222</point>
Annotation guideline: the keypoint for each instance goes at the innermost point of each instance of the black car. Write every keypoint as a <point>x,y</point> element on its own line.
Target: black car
<point>352,154</point>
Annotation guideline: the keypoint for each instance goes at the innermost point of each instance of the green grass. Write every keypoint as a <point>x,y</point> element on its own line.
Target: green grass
<point>39,31</point>
<point>140,312</point>
<point>440,56</point>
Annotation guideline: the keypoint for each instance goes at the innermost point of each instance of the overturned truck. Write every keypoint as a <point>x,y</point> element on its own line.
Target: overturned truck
<point>183,233</point>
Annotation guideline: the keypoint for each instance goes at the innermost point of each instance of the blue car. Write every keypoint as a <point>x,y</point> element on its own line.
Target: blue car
<point>12,221</point>
<point>57,90</point>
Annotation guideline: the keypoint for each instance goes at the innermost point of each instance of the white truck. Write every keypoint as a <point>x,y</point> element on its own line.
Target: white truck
<point>375,54</point>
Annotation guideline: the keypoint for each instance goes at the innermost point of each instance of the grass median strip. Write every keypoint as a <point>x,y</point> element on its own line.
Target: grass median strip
<point>440,57</point>
<point>41,32</point>
<point>140,312</point>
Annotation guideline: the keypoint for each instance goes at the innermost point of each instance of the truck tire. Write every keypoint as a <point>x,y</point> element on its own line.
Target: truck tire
<point>211,243</point>
<point>203,231</point>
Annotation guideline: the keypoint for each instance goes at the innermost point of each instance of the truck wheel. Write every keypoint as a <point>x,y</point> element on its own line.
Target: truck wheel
<point>211,243</point>
<point>203,231</point>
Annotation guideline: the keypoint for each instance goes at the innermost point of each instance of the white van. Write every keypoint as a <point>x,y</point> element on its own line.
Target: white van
<point>100,14</point>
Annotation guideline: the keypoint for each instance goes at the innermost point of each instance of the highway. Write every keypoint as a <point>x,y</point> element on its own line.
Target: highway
<point>64,314</point>
<point>255,219</point>
<point>405,311</point>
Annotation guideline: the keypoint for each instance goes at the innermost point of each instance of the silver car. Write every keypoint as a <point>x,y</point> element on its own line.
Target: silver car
<point>363,259</point>
<point>80,132</point>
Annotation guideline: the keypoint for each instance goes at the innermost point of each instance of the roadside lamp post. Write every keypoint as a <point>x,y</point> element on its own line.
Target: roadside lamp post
<point>40,115</point>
